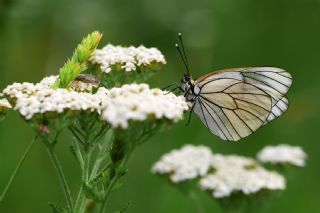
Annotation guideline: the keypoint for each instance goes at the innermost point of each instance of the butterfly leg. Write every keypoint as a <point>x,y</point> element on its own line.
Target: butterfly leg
<point>174,89</point>
<point>170,85</point>
<point>190,113</point>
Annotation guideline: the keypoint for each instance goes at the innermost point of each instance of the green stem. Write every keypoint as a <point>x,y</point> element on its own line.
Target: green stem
<point>108,192</point>
<point>95,168</point>
<point>81,200</point>
<point>78,154</point>
<point>197,203</point>
<point>61,176</point>
<point>103,149</point>
<point>13,175</point>
<point>113,181</point>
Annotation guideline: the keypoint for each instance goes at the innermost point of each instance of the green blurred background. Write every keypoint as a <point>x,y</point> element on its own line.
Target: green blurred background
<point>36,37</point>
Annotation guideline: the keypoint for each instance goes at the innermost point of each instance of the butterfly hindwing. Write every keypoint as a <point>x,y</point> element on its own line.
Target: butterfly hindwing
<point>274,81</point>
<point>278,109</point>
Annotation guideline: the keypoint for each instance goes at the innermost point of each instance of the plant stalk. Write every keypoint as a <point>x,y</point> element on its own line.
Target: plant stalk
<point>61,176</point>
<point>81,200</point>
<point>113,181</point>
<point>13,175</point>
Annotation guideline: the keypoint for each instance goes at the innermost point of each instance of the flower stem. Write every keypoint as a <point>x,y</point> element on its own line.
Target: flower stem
<point>108,192</point>
<point>13,175</point>
<point>103,148</point>
<point>114,180</point>
<point>80,205</point>
<point>197,203</point>
<point>60,173</point>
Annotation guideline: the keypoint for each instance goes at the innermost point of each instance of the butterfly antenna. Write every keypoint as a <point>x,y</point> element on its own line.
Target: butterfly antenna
<point>183,59</point>
<point>183,51</point>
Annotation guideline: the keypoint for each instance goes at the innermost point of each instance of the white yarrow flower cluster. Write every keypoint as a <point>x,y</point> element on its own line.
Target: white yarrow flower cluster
<point>17,90</point>
<point>138,102</point>
<point>31,99</point>
<point>222,175</point>
<point>283,154</point>
<point>239,174</point>
<point>187,163</point>
<point>118,106</point>
<point>129,58</point>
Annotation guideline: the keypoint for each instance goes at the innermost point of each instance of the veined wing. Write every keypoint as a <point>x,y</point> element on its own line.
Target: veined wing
<point>278,109</point>
<point>272,80</point>
<point>235,111</point>
<point>234,103</point>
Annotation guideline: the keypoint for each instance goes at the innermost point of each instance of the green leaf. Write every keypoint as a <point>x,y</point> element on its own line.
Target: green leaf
<point>92,193</point>
<point>57,209</point>
<point>125,208</point>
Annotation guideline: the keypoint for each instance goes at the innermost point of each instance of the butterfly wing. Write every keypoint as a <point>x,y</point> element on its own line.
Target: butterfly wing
<point>234,103</point>
<point>278,109</point>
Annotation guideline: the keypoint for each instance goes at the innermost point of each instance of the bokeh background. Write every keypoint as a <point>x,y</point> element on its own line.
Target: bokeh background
<point>37,36</point>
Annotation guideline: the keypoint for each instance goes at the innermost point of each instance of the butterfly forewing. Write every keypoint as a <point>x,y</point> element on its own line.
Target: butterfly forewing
<point>234,103</point>
<point>210,120</point>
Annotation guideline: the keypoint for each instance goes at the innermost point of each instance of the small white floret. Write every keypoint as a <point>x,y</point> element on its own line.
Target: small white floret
<point>187,163</point>
<point>129,58</point>
<point>283,154</point>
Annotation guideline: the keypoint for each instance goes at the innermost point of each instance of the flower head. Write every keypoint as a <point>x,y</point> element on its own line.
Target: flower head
<point>225,182</point>
<point>126,58</point>
<point>234,173</point>
<point>283,154</point>
<point>186,163</point>
<point>32,99</point>
<point>222,175</point>
<point>137,102</point>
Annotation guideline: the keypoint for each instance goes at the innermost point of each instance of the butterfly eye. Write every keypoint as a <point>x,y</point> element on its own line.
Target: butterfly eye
<point>186,78</point>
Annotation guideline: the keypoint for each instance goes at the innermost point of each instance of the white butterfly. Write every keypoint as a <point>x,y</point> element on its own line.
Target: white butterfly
<point>233,103</point>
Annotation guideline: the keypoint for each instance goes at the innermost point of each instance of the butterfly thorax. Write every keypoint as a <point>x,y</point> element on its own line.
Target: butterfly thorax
<point>188,88</point>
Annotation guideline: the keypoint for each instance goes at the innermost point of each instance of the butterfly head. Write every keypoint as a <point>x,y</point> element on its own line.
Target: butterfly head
<point>185,79</point>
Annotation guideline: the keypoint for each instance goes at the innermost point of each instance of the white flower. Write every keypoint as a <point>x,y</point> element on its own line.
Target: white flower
<point>283,154</point>
<point>31,99</point>
<point>138,102</point>
<point>220,174</point>
<point>219,161</point>
<point>224,182</point>
<point>233,173</point>
<point>187,163</point>
<point>119,105</point>
<point>4,104</point>
<point>129,58</point>
<point>48,81</point>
